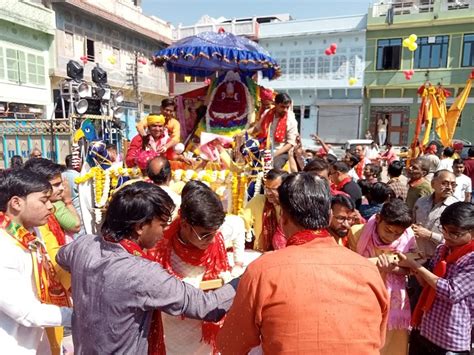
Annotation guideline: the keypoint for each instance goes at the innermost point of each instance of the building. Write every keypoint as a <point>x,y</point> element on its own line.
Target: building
<point>26,36</point>
<point>325,100</point>
<point>118,37</point>
<point>445,55</point>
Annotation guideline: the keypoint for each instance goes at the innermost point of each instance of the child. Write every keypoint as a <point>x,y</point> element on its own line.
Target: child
<point>388,232</point>
<point>463,183</point>
<point>442,319</point>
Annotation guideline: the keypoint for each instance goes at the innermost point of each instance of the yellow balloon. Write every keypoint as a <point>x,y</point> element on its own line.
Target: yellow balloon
<point>406,42</point>
<point>352,81</point>
<point>413,38</point>
<point>112,60</point>
<point>413,46</point>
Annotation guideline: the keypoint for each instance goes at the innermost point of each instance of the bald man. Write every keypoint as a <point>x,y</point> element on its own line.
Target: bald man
<point>159,172</point>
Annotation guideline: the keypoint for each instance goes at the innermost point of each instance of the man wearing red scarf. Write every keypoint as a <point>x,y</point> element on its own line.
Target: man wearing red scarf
<point>193,250</point>
<point>278,130</point>
<point>442,319</point>
<point>311,297</point>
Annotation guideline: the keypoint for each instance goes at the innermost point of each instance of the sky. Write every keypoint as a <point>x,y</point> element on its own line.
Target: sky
<point>188,12</point>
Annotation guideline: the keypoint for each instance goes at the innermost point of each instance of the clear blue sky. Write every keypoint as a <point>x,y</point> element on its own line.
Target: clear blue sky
<point>188,12</point>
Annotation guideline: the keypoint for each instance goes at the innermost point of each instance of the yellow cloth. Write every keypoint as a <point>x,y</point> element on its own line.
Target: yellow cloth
<point>438,105</point>
<point>173,127</point>
<point>154,119</point>
<point>456,108</point>
<point>428,116</point>
<point>252,214</point>
<point>56,334</point>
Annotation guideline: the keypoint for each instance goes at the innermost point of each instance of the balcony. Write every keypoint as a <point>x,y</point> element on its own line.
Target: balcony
<point>404,12</point>
<point>28,14</point>
<point>241,28</point>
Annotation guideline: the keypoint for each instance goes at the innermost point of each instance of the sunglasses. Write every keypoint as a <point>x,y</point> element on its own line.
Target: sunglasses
<point>203,236</point>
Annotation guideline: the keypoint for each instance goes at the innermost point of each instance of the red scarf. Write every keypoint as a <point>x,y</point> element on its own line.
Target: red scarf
<point>213,259</point>
<point>156,342</point>
<point>280,131</point>
<point>339,186</point>
<point>269,227</point>
<point>305,236</point>
<point>56,229</point>
<point>49,289</point>
<point>359,168</point>
<point>429,293</point>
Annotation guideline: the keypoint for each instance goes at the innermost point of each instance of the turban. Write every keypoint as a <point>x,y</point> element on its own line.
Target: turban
<point>457,146</point>
<point>154,119</point>
<point>266,94</point>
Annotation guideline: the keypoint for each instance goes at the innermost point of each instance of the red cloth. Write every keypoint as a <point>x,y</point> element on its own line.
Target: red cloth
<point>214,259</point>
<point>136,147</point>
<point>56,229</point>
<point>269,226</point>
<point>305,236</point>
<point>340,186</point>
<point>280,131</point>
<point>429,293</point>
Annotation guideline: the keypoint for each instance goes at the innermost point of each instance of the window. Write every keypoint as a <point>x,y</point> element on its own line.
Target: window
<point>116,54</point>
<point>356,66</point>
<point>324,68</point>
<point>389,53</point>
<point>68,44</point>
<point>339,66</point>
<point>284,67</point>
<point>307,110</point>
<point>432,52</point>
<point>90,50</point>
<point>468,51</point>
<point>16,66</point>
<point>309,67</point>
<point>36,70</point>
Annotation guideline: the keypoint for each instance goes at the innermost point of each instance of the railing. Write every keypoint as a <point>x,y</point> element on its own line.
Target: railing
<point>244,28</point>
<point>403,7</point>
<point>19,126</point>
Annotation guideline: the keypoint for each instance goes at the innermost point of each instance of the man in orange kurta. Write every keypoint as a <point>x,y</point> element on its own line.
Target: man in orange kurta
<point>311,297</point>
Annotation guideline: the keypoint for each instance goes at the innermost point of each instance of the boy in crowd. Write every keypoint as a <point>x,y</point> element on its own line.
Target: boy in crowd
<point>26,296</point>
<point>463,190</point>
<point>442,319</point>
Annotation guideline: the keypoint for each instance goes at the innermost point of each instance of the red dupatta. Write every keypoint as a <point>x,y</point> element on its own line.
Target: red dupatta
<point>213,259</point>
<point>429,293</point>
<point>280,131</point>
<point>305,236</point>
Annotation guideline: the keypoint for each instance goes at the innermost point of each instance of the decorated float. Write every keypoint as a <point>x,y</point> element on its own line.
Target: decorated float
<point>214,115</point>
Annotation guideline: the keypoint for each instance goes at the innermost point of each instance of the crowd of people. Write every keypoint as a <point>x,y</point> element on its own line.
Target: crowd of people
<point>332,255</point>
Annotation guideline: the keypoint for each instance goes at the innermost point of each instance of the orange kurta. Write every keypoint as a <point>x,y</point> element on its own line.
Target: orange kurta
<point>316,298</point>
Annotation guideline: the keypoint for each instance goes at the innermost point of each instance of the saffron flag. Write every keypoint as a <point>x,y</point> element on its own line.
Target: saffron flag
<point>456,108</point>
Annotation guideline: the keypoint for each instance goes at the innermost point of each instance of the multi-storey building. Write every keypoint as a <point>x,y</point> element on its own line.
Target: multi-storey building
<point>117,36</point>
<point>445,55</point>
<point>325,100</point>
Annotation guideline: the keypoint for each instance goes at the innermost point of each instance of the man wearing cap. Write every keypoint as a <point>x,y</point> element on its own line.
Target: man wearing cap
<point>157,140</point>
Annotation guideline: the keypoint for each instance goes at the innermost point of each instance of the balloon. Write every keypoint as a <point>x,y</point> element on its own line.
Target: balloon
<point>352,81</point>
<point>412,47</point>
<point>328,51</point>
<point>84,59</point>
<point>413,38</point>
<point>333,46</point>
<point>187,79</point>
<point>406,42</point>
<point>112,60</point>
<point>333,50</point>
<point>412,72</point>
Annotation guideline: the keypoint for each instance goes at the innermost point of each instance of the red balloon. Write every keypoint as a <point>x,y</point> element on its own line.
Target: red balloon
<point>333,50</point>
<point>333,46</point>
<point>84,59</point>
<point>328,51</point>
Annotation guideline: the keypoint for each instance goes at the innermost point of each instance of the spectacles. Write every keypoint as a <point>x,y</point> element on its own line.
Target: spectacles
<point>456,235</point>
<point>341,219</point>
<point>204,236</point>
<point>448,184</point>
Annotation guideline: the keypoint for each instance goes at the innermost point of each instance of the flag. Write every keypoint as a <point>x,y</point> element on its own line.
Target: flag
<point>456,108</point>
<point>438,103</point>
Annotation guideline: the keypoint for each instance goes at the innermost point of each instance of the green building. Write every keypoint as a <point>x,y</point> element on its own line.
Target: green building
<point>445,55</point>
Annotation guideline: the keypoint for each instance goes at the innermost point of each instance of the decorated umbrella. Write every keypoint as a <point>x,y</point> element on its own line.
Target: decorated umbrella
<point>208,52</point>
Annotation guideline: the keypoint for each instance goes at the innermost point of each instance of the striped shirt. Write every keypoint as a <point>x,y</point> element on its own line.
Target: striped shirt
<point>449,321</point>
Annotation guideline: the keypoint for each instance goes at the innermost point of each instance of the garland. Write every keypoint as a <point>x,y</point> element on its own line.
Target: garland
<point>105,181</point>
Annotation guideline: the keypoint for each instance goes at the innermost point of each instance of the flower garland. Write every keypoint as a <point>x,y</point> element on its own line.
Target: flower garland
<point>105,180</point>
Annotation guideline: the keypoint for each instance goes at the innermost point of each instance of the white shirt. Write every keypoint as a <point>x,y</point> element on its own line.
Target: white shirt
<point>445,164</point>
<point>291,131</point>
<point>464,185</point>
<point>176,200</point>
<point>22,315</point>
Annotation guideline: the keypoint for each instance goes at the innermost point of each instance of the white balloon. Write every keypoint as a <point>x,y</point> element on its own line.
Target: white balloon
<point>179,148</point>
